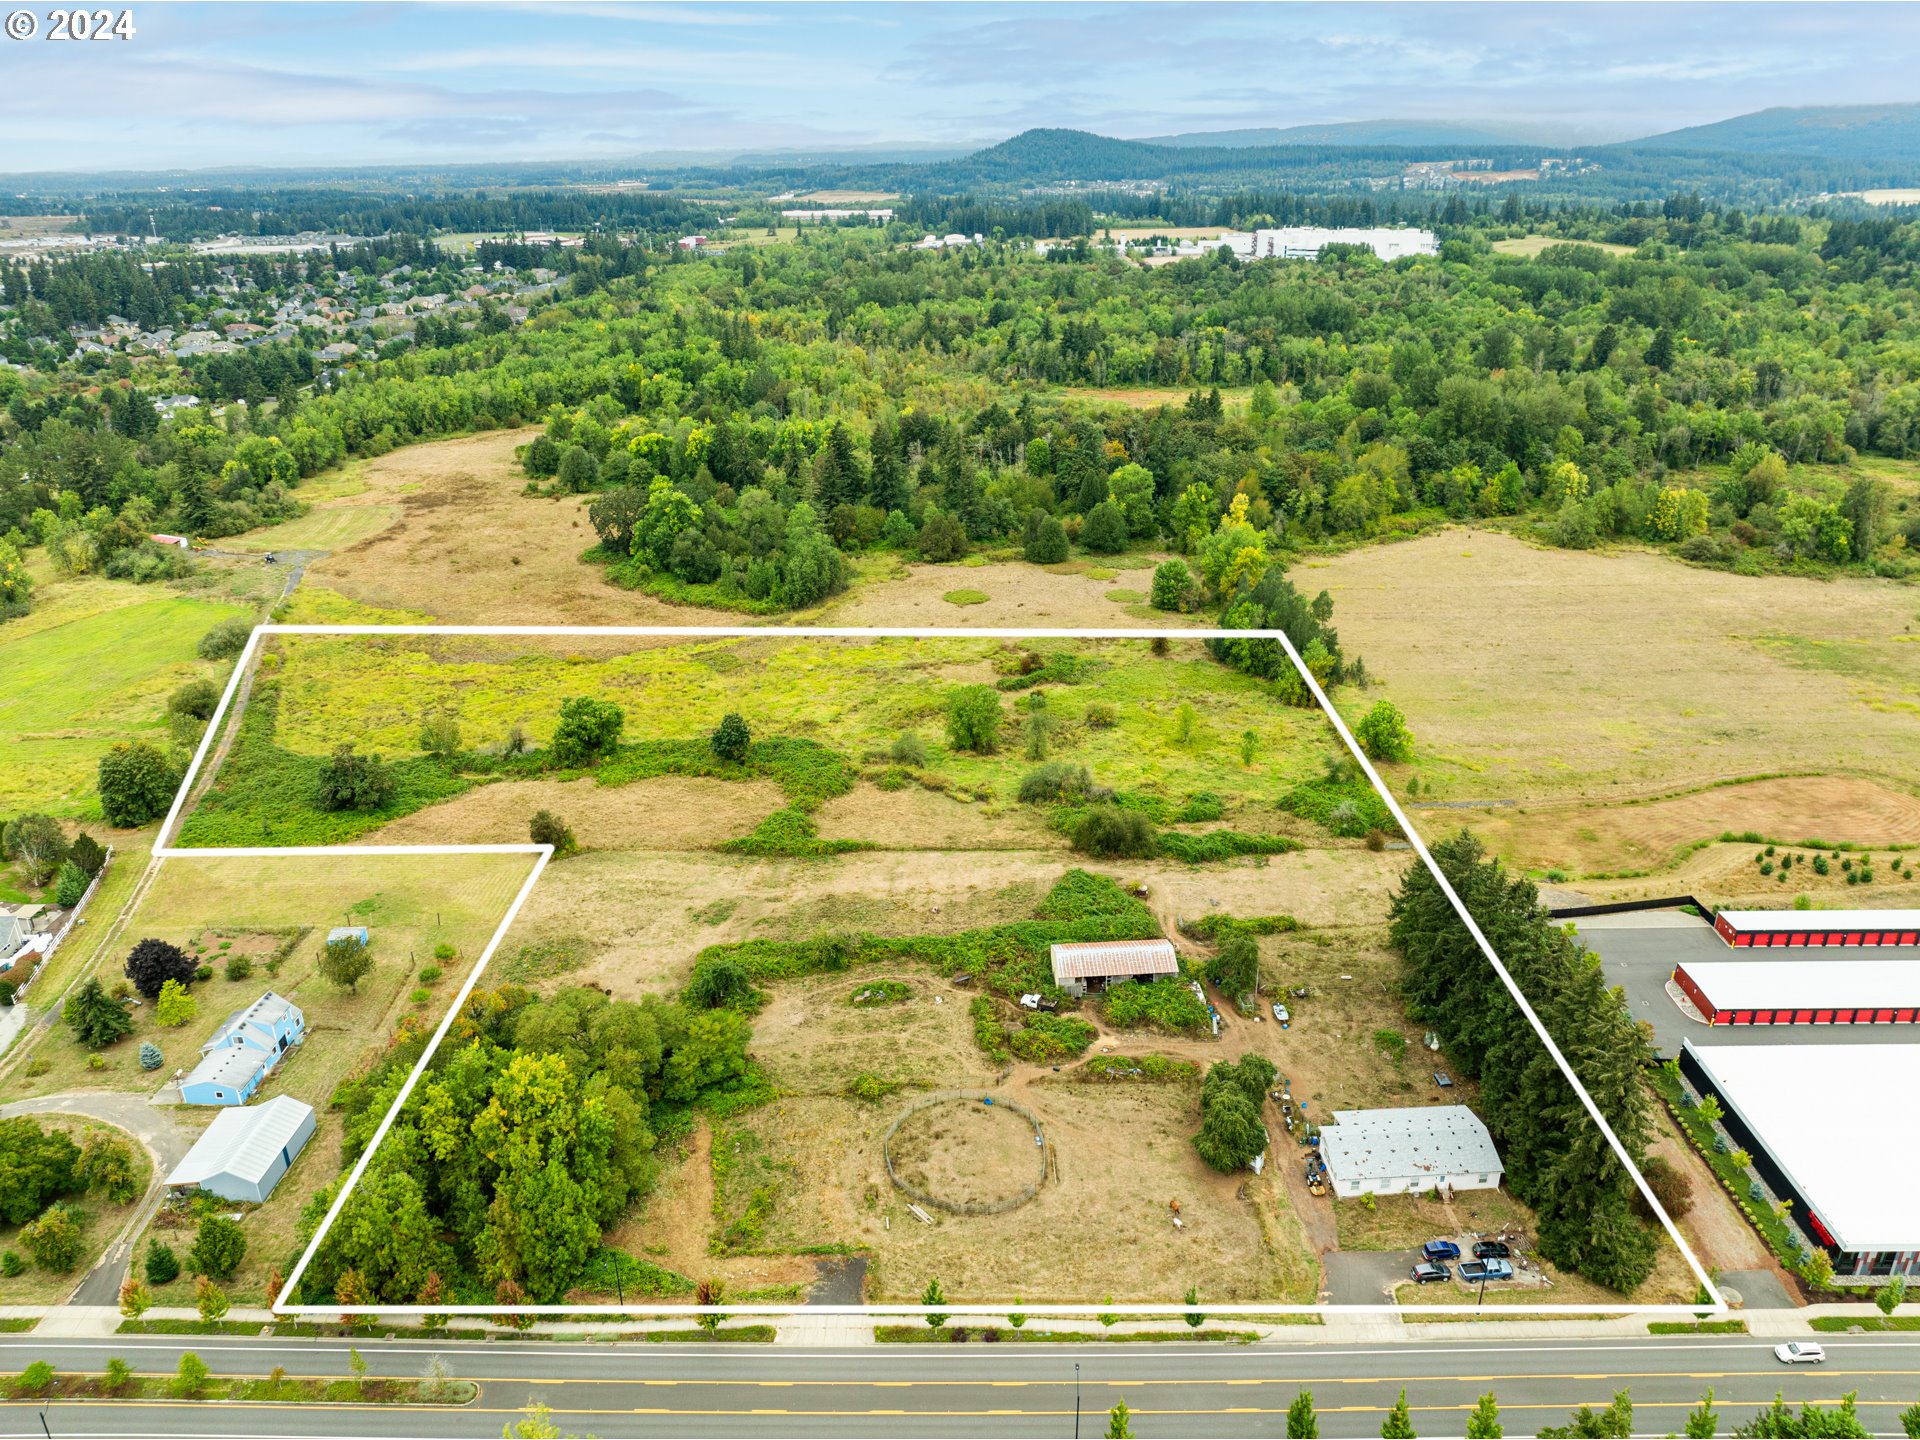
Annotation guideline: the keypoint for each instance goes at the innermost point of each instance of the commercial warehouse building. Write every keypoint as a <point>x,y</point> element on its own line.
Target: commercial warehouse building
<point>1409,1151</point>
<point>1818,927</point>
<point>1821,1122</point>
<point>1817,992</point>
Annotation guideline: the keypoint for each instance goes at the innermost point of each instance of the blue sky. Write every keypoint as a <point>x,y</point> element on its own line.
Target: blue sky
<point>408,83</point>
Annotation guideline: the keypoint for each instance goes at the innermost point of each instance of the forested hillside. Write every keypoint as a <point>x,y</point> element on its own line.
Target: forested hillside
<point>1709,391</point>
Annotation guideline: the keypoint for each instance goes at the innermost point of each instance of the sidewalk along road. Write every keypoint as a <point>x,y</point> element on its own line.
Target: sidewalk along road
<point>615,1391</point>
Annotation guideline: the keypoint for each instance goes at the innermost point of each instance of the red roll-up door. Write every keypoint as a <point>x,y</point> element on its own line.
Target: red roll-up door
<point>1823,1017</point>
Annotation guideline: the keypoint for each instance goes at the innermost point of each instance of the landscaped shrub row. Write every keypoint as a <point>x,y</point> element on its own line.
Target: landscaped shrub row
<point>1780,1236</point>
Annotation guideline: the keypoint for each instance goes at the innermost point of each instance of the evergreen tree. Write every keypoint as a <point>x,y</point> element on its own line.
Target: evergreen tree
<point>1302,1423</point>
<point>1484,1422</point>
<point>95,1017</point>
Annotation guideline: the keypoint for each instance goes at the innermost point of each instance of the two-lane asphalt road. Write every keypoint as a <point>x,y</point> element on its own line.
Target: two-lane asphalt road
<point>978,1390</point>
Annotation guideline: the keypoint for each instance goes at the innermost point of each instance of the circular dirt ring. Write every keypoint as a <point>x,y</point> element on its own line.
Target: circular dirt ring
<point>960,1154</point>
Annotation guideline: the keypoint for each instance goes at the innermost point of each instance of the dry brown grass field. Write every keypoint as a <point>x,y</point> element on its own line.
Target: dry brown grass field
<point>1656,834</point>
<point>1529,246</point>
<point>1587,679</point>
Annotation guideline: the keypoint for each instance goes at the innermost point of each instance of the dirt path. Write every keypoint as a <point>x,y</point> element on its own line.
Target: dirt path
<point>1719,1236</point>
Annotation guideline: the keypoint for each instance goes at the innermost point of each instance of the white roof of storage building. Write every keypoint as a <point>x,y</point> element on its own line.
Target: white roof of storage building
<point>1822,921</point>
<point>243,1142</point>
<point>1822,983</point>
<point>1078,959</point>
<point>1436,1140</point>
<point>1822,1113</point>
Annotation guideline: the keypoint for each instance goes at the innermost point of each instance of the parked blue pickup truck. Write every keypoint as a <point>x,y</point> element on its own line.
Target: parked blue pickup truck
<point>1474,1271</point>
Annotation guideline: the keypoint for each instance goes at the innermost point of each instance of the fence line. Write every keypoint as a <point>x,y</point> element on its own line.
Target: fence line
<point>963,1207</point>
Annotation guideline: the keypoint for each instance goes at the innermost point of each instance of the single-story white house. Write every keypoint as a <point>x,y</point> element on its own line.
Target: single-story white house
<point>244,1152</point>
<point>1409,1150</point>
<point>1083,965</point>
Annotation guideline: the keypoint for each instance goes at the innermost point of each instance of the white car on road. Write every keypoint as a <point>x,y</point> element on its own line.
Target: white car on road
<point>1800,1352</point>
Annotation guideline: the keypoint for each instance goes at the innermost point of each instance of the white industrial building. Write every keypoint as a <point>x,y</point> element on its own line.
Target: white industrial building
<point>1822,1125</point>
<point>1305,242</point>
<point>245,1151</point>
<point>1409,1151</point>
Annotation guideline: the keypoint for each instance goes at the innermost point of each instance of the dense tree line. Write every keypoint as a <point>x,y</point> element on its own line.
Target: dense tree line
<point>1557,1161</point>
<point>532,1131</point>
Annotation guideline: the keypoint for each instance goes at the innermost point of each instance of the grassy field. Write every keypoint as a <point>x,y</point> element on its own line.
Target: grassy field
<point>853,698</point>
<point>102,1220</point>
<point>328,526</point>
<point>1529,246</point>
<point>219,907</point>
<point>1591,679</point>
<point>91,667</point>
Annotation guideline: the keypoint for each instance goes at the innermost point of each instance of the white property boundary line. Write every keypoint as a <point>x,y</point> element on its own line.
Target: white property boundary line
<point>543,853</point>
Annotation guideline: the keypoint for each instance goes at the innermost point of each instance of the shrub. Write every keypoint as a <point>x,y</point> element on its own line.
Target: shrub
<point>34,1381</point>
<point>203,972</point>
<point>1045,541</point>
<point>1168,1003</point>
<point>239,967</point>
<point>1109,832</point>
<point>69,885</point>
<point>11,1265</point>
<point>218,1247</point>
<point>136,784</point>
<point>1235,968</point>
<point>1044,1038</point>
<point>228,638</point>
<point>429,974</point>
<point>86,852</point>
<point>6,993</point>
<point>351,781</point>
<point>718,980</point>
<point>1383,733</point>
<point>162,1266</point>
<point>175,1007</point>
<point>1099,717</point>
<point>106,1165</point>
<point>1174,587</point>
<point>151,1057</point>
<point>547,828</point>
<point>1055,783</point>
<point>197,699</point>
<point>345,961</point>
<point>941,538</point>
<point>588,729</point>
<point>440,736</point>
<point>730,739</point>
<point>53,1240</point>
<point>973,718</point>
<point>1105,529</point>
<point>1670,1187</point>
<point>908,749</point>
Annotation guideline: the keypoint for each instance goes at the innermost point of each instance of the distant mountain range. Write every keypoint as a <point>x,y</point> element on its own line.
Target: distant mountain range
<point>1832,132</point>
<point>1369,132</point>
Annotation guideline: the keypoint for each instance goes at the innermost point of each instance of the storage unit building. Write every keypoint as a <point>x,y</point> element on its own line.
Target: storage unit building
<point>243,1153</point>
<point>1821,1122</point>
<point>1409,1151</point>
<point>1080,966</point>
<point>1818,927</point>
<point>1816,992</point>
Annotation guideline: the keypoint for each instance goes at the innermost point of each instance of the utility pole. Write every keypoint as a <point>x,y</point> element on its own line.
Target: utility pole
<point>1076,1400</point>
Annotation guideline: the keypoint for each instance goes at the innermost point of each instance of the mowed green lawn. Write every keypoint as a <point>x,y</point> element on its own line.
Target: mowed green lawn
<point>326,527</point>
<point>69,691</point>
